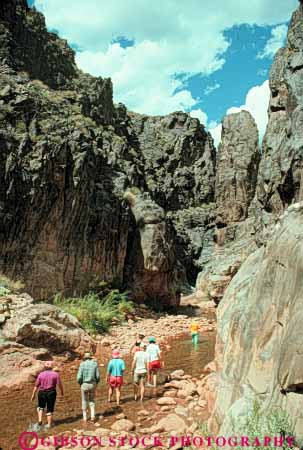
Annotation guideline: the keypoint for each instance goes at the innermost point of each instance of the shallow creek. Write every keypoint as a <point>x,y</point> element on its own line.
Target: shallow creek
<point>18,413</point>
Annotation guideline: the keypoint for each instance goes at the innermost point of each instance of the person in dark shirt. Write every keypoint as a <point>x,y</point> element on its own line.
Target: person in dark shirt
<point>46,384</point>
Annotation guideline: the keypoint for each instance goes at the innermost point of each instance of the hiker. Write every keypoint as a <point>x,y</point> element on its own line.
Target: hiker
<point>115,370</point>
<point>46,384</point>
<point>140,368</point>
<point>194,328</point>
<point>154,358</point>
<point>136,346</point>
<point>88,377</point>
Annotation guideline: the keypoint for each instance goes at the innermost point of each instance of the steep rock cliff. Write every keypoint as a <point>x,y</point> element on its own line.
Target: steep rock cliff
<point>280,173</point>
<point>259,343</point>
<point>236,176</point>
<point>258,350</point>
<point>69,155</point>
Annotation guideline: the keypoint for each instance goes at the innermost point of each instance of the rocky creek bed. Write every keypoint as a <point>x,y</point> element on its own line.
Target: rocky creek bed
<point>178,406</point>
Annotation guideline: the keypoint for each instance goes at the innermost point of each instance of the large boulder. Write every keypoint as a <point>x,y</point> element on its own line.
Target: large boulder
<point>151,266</point>
<point>32,332</point>
<point>172,422</point>
<point>42,325</point>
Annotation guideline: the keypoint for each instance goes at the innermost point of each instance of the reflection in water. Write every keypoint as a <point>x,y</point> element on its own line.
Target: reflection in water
<point>18,414</point>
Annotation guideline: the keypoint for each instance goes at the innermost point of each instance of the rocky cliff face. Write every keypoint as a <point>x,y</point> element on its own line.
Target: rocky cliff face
<point>236,176</point>
<point>258,350</point>
<point>280,174</point>
<point>237,167</point>
<point>259,343</point>
<point>69,156</point>
<point>254,190</point>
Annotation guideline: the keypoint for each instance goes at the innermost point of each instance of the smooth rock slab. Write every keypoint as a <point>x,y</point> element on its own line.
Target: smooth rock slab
<point>173,422</point>
<point>166,401</point>
<point>123,425</point>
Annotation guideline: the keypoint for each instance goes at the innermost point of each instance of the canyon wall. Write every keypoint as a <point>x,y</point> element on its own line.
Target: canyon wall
<point>259,343</point>
<point>90,191</point>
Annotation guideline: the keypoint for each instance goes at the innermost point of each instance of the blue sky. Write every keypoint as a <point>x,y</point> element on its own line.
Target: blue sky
<point>206,57</point>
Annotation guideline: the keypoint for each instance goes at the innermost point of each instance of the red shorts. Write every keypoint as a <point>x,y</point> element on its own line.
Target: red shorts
<point>115,381</point>
<point>154,365</point>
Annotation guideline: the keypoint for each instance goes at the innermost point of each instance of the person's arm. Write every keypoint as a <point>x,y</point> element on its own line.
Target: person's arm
<point>34,393</point>
<point>60,385</point>
<point>80,375</point>
<point>123,366</point>
<point>159,352</point>
<point>146,361</point>
<point>97,374</point>
<point>132,348</point>
<point>160,357</point>
<point>37,384</point>
<point>134,363</point>
<point>108,371</point>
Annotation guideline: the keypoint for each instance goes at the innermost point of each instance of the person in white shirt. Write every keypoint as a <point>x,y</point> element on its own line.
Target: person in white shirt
<point>140,368</point>
<point>154,361</point>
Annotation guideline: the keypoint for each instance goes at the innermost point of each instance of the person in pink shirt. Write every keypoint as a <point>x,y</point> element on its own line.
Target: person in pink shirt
<point>46,384</point>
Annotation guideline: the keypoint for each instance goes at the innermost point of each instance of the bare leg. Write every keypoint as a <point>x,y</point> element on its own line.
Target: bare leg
<point>49,418</point>
<point>155,379</point>
<point>110,393</point>
<point>40,413</point>
<point>135,391</point>
<point>118,395</point>
<point>142,389</point>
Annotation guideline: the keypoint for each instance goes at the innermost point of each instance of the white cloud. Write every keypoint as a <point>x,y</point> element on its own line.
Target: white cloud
<point>199,114</point>
<point>209,89</point>
<point>277,40</point>
<point>170,37</point>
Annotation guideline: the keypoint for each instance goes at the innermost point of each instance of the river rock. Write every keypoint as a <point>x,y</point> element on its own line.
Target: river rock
<point>166,401</point>
<point>181,411</point>
<point>143,412</point>
<point>123,425</point>
<point>172,422</point>
<point>166,408</point>
<point>177,374</point>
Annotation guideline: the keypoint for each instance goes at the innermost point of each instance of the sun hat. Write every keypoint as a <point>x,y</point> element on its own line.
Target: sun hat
<point>87,355</point>
<point>152,339</point>
<point>116,354</point>
<point>48,364</point>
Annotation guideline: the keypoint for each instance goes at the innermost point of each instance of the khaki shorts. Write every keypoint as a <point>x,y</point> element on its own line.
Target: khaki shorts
<point>138,377</point>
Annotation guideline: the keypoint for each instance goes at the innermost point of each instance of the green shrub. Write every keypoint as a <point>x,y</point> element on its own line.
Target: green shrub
<point>97,311</point>
<point>260,423</point>
<point>4,291</point>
